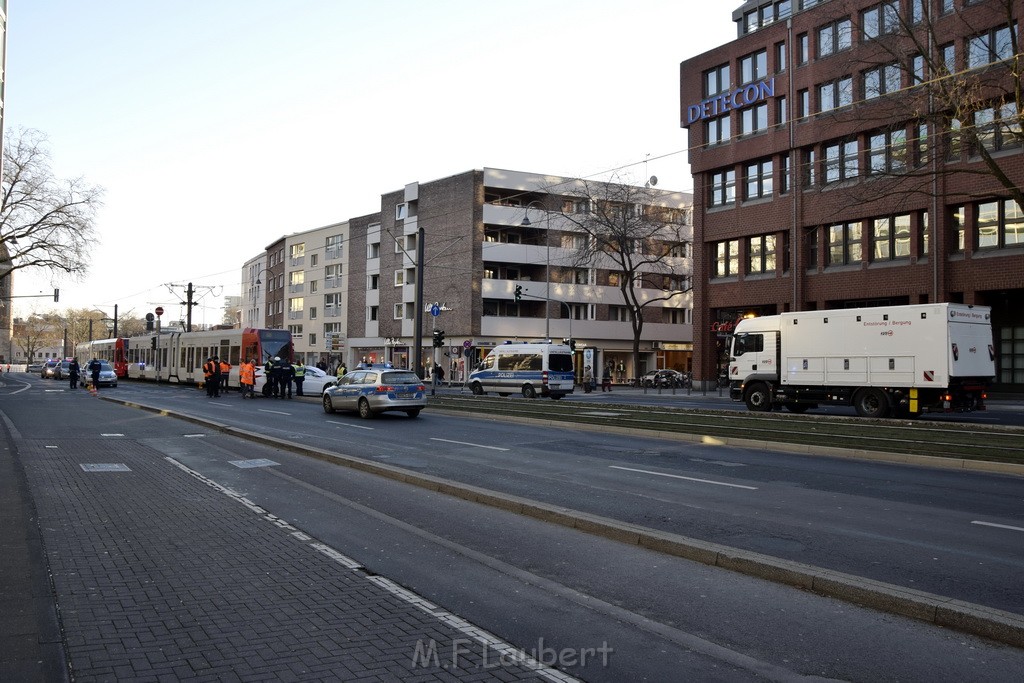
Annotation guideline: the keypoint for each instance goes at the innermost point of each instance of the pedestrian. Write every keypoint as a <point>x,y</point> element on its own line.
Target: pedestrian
<point>606,378</point>
<point>440,373</point>
<point>284,378</point>
<point>74,371</point>
<point>588,379</point>
<point>269,389</point>
<point>247,378</point>
<point>277,378</point>
<point>215,376</point>
<point>94,368</point>
<point>225,374</point>
<point>300,377</point>
<point>322,365</point>
<point>342,369</point>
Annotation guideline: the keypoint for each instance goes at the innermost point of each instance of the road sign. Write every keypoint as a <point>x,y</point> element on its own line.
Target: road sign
<point>435,310</point>
<point>467,344</point>
<point>159,310</point>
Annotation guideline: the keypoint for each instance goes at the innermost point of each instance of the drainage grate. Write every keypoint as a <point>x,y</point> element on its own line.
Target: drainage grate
<point>105,467</point>
<point>259,462</point>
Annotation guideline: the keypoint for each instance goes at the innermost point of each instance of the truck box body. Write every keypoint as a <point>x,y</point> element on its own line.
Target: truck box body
<point>826,356</point>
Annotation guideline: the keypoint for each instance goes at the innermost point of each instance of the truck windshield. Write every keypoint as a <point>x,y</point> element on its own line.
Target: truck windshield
<point>747,343</point>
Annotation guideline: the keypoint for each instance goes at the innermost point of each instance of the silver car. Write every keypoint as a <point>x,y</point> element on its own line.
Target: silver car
<point>375,389</point>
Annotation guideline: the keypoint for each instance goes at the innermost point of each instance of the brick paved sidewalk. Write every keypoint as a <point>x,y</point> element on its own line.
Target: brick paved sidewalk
<point>160,574</point>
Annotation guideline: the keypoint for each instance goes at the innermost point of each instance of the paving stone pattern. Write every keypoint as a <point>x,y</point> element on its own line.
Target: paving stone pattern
<point>160,576</point>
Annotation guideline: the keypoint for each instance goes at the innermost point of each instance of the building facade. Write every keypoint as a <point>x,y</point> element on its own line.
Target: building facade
<point>500,256</point>
<point>856,153</point>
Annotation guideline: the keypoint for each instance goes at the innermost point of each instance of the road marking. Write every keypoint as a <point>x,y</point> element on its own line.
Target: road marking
<point>111,434</point>
<point>275,412</point>
<point>466,443</point>
<point>343,426</point>
<point>677,476</point>
<point>1000,526</point>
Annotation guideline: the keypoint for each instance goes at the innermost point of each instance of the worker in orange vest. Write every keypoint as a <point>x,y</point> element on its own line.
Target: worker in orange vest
<point>225,371</point>
<point>247,378</point>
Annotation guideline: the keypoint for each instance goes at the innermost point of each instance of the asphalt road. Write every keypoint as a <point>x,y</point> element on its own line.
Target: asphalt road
<point>538,584</point>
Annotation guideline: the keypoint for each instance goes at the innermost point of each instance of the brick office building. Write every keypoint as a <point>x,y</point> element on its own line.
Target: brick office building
<point>843,155</point>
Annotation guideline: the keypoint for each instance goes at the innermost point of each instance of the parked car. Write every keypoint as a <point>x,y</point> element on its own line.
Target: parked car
<point>34,367</point>
<point>316,381</point>
<point>108,378</point>
<point>63,369</point>
<point>50,369</point>
<point>663,378</point>
<point>371,390</point>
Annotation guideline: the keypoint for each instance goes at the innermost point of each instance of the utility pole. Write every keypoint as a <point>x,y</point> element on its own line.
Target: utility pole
<point>189,303</point>
<point>417,339</point>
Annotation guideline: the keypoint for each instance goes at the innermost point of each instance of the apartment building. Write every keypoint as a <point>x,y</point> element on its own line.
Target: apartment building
<point>501,262</point>
<point>855,153</point>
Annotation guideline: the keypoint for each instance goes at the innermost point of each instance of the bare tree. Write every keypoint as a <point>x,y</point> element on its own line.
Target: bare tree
<point>639,235</point>
<point>45,222</point>
<point>944,110</point>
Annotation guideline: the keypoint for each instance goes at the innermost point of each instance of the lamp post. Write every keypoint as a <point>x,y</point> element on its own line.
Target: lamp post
<point>547,261</point>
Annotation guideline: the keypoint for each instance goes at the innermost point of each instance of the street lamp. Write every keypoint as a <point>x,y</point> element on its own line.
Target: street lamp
<point>547,260</point>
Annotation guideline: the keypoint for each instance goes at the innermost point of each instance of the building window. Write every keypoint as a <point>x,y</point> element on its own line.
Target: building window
<point>844,244</point>
<point>917,8</point>
<point>1011,354</point>
<point>810,167</point>
<point>835,37</point>
<point>399,278</point>
<point>948,58</point>
<point>918,72</point>
<point>881,19</point>
<point>371,312</point>
<point>727,258</point>
<point>781,113</point>
<point>881,81</point>
<point>811,241</point>
<point>887,152</point>
<point>841,162</point>
<point>803,104</point>
<point>716,81</point>
<point>958,228</point>
<point>723,188</point>
<point>803,50</point>
<point>401,212</point>
<point>890,238</point>
<point>373,282</point>
<point>754,67</point>
<point>998,127</point>
<point>946,6</point>
<point>780,57</point>
<point>754,119</point>
<point>761,254</point>
<point>992,46</point>
<point>718,130</point>
<point>784,174</point>
<point>373,250</point>
<point>621,314</point>
<point>758,177</point>
<point>1000,224</point>
<point>835,94</point>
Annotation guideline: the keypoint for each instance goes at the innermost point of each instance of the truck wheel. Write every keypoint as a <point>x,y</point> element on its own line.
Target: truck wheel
<point>529,391</point>
<point>871,403</point>
<point>477,389</point>
<point>758,397</point>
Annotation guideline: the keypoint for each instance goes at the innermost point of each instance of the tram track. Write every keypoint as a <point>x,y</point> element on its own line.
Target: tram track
<point>967,442</point>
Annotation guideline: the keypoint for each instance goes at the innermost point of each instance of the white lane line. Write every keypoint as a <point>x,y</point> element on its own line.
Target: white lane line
<point>466,443</point>
<point>275,412</point>
<point>348,426</point>
<point>999,526</point>
<point>677,476</point>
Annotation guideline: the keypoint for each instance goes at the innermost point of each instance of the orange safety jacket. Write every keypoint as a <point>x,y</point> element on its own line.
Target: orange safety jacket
<point>247,373</point>
<point>225,368</point>
<point>208,369</point>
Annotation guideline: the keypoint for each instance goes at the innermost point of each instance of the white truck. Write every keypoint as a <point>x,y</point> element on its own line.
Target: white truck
<point>890,360</point>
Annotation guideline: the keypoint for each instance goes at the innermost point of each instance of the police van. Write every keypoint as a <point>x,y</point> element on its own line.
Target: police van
<point>530,368</point>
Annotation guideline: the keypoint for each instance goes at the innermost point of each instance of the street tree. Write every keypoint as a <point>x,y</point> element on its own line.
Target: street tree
<point>46,222</point>
<point>640,235</point>
<point>957,109</point>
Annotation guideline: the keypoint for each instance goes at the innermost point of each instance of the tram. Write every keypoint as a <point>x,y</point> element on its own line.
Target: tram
<point>178,357</point>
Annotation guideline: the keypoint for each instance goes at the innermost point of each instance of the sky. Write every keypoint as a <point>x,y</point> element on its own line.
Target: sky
<point>216,126</point>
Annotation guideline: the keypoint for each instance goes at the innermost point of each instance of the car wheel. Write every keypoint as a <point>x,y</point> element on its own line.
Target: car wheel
<point>413,413</point>
<point>871,403</point>
<point>364,409</point>
<point>477,389</point>
<point>328,404</point>
<point>529,391</point>
<point>758,397</point>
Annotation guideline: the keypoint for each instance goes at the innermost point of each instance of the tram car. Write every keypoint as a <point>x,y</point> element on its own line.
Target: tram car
<point>178,357</point>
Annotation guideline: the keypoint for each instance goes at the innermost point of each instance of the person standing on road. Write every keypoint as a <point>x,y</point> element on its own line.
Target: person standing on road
<point>588,379</point>
<point>225,373</point>
<point>287,371</point>
<point>215,376</point>
<point>208,376</point>
<point>94,370</point>
<point>268,372</point>
<point>300,376</point>
<point>606,378</point>
<point>342,370</point>
<point>74,371</point>
<point>247,378</point>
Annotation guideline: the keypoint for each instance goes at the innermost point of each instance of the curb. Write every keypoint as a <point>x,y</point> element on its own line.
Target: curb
<point>995,624</point>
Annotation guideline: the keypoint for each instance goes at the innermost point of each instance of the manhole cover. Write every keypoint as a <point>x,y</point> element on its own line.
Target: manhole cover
<point>105,467</point>
<point>259,462</point>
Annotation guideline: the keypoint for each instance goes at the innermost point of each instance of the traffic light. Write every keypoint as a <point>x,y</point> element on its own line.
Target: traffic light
<point>571,343</point>
<point>56,295</point>
<point>438,338</point>
<point>152,343</point>
<point>519,292</point>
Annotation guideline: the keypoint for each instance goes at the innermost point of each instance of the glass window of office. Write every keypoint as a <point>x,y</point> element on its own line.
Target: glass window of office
<point>754,67</point>
<point>754,119</point>
<point>841,161</point>
<point>727,258</point>
<point>716,81</point>
<point>890,238</point>
<point>761,254</point>
<point>723,188</point>
<point>835,37</point>
<point>758,179</point>
<point>992,46</point>
<point>844,244</point>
